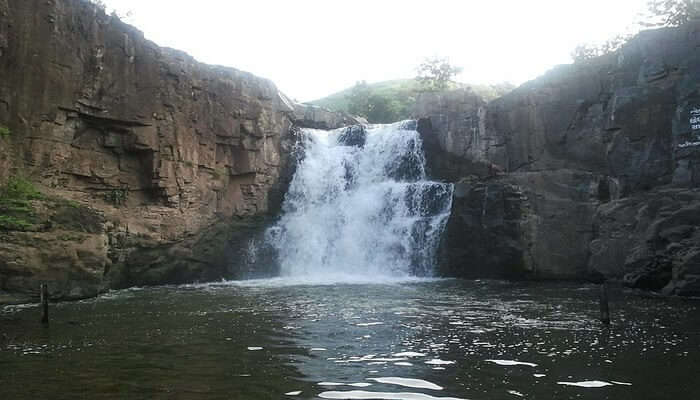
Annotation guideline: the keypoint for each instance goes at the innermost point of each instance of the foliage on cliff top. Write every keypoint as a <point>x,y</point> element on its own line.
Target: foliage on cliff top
<point>659,13</point>
<point>671,12</point>
<point>391,101</point>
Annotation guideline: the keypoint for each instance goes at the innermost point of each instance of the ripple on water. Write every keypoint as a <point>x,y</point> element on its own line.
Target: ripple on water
<point>586,384</point>
<point>512,362</point>
<point>364,395</point>
<point>408,354</point>
<point>436,361</point>
<point>407,382</point>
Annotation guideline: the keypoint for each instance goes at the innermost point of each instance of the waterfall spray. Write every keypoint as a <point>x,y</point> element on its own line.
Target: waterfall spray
<point>360,207</point>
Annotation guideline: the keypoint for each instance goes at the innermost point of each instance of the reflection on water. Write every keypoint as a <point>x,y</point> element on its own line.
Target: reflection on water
<point>411,340</point>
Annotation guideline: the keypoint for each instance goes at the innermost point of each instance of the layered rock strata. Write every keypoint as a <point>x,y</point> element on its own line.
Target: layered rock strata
<point>180,160</point>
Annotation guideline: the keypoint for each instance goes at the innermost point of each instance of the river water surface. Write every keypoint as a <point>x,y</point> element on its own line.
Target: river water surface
<point>419,339</point>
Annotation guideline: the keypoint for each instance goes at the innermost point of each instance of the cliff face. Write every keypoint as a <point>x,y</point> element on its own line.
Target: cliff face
<point>593,166</point>
<point>180,160</point>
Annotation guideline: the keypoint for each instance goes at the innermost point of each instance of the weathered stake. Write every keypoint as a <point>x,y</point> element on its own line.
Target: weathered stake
<point>604,306</point>
<point>44,303</point>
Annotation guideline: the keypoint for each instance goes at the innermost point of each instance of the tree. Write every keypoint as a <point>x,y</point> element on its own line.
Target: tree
<point>100,4</point>
<point>587,51</point>
<point>671,12</point>
<point>436,73</point>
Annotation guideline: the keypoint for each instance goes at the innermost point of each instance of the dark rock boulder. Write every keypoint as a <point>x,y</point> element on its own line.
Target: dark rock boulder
<point>597,149</point>
<point>486,233</point>
<point>355,135</point>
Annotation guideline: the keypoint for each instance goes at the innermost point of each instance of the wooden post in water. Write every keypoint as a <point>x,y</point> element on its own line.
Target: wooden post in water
<point>44,303</point>
<point>604,306</point>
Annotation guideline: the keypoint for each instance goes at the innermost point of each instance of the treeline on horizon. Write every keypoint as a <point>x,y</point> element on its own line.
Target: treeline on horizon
<point>391,101</point>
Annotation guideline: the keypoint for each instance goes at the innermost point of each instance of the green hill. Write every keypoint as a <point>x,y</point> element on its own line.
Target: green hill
<point>391,101</point>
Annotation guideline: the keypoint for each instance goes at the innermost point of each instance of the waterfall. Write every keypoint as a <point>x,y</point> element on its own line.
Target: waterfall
<point>359,207</point>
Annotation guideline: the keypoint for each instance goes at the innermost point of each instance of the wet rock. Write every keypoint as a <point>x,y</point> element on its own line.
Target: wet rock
<point>355,135</point>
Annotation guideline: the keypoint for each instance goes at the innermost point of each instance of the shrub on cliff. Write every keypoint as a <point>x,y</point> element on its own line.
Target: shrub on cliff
<point>16,211</point>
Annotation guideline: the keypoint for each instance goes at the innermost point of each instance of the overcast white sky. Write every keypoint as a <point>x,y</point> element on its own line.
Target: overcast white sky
<point>312,48</point>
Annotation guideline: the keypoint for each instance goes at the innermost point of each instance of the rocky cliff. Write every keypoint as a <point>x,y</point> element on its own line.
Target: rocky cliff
<point>150,166</point>
<point>592,168</point>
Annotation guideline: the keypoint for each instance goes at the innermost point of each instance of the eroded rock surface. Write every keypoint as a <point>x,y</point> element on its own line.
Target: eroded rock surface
<point>568,174</point>
<point>177,157</point>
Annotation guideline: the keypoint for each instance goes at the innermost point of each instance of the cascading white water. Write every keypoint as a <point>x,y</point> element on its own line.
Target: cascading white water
<point>360,208</point>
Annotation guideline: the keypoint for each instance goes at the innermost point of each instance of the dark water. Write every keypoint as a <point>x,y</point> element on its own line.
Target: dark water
<point>201,342</point>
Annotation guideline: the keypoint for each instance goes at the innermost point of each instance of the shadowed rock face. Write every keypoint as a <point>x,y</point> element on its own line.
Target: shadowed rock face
<point>167,149</point>
<point>569,167</point>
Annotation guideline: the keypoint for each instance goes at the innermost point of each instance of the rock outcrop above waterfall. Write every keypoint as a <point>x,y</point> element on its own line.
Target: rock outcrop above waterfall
<point>180,160</point>
<point>594,166</point>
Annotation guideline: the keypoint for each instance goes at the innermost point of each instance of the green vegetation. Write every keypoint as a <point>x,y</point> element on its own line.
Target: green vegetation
<point>436,73</point>
<point>588,51</point>
<point>117,197</point>
<point>18,198</point>
<point>4,132</point>
<point>392,101</point>
<point>16,210</point>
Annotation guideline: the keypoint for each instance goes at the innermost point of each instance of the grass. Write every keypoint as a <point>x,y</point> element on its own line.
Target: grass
<point>10,223</point>
<point>5,132</point>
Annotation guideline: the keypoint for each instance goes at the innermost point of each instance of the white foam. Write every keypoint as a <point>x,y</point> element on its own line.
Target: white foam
<point>367,209</point>
<point>407,382</point>
<point>370,323</point>
<point>254,348</point>
<point>294,393</point>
